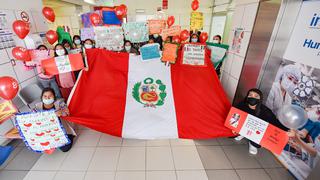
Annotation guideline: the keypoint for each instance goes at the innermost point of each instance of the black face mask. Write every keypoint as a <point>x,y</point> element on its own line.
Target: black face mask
<point>252,101</point>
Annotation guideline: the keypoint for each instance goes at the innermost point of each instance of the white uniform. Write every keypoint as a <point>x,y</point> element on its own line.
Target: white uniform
<point>275,99</point>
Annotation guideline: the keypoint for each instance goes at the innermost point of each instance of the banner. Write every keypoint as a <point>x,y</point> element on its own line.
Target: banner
<point>7,109</point>
<point>136,32</point>
<point>86,33</point>
<point>257,130</point>
<point>41,131</point>
<point>110,38</point>
<point>218,52</point>
<point>172,31</point>
<point>170,53</point>
<point>62,64</point>
<point>150,51</point>
<point>156,26</point>
<point>196,21</point>
<point>194,54</point>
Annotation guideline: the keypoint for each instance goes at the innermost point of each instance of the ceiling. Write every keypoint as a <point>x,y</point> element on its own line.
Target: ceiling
<point>63,3</point>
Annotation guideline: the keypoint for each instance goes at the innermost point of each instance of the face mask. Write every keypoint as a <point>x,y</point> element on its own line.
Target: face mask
<point>128,48</point>
<point>252,101</point>
<point>287,85</point>
<point>60,52</point>
<point>48,101</point>
<point>194,40</point>
<point>77,41</point>
<point>215,41</point>
<point>312,115</point>
<point>88,46</point>
<point>156,36</point>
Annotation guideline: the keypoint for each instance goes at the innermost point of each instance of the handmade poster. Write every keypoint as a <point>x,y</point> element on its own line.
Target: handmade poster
<point>218,52</point>
<point>257,130</point>
<point>110,37</point>
<point>75,51</point>
<point>7,109</point>
<point>193,54</point>
<point>170,52</point>
<point>41,131</point>
<point>110,18</point>
<point>62,64</point>
<point>136,32</point>
<point>86,33</point>
<point>172,31</point>
<point>196,21</point>
<point>156,26</point>
<point>237,40</point>
<point>85,18</point>
<point>150,51</point>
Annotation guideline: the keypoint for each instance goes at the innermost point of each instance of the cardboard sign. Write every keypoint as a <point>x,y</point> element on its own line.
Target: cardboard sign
<point>7,109</point>
<point>86,33</point>
<point>196,20</point>
<point>136,32</point>
<point>170,52</point>
<point>257,130</point>
<point>194,54</point>
<point>150,51</point>
<point>156,26</point>
<point>41,131</point>
<point>110,38</point>
<point>62,64</point>
<point>172,31</point>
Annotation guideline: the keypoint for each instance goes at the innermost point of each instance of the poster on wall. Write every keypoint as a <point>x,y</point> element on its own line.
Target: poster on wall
<point>110,37</point>
<point>237,40</point>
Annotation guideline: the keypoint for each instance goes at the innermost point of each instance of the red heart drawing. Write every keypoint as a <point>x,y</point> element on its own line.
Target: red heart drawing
<point>56,129</point>
<point>258,132</point>
<point>57,139</point>
<point>52,120</point>
<point>52,135</point>
<point>32,139</point>
<point>45,143</point>
<point>49,151</point>
<point>39,134</point>
<point>27,125</point>
<point>48,131</point>
<point>38,123</point>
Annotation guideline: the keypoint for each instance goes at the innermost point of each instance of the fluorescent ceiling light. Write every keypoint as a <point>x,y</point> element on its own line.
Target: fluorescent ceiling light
<point>93,2</point>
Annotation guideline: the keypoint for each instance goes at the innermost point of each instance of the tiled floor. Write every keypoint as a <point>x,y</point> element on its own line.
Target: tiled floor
<point>97,156</point>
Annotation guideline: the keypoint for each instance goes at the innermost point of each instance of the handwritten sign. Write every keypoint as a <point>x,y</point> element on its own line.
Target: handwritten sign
<point>62,64</point>
<point>150,51</point>
<point>257,130</point>
<point>170,52</point>
<point>110,37</point>
<point>41,131</point>
<point>136,32</point>
<point>86,33</point>
<point>193,54</point>
<point>196,21</point>
<point>7,109</point>
<point>172,31</point>
<point>156,26</point>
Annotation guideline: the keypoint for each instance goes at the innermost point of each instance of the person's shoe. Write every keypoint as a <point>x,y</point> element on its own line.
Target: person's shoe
<point>67,147</point>
<point>253,150</point>
<point>238,138</point>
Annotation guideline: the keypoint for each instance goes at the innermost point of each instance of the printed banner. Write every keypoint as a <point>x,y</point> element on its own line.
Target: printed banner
<point>7,109</point>
<point>62,64</point>
<point>196,21</point>
<point>156,26</point>
<point>172,31</point>
<point>41,131</point>
<point>136,32</point>
<point>110,38</point>
<point>194,54</point>
<point>170,52</point>
<point>86,33</point>
<point>257,130</point>
<point>218,52</point>
<point>150,51</point>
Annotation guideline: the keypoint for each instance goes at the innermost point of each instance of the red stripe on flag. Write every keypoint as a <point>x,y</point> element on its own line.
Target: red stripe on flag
<point>50,67</point>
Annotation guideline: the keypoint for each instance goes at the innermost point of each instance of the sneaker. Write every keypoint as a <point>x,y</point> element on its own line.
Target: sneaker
<point>238,138</point>
<point>253,150</point>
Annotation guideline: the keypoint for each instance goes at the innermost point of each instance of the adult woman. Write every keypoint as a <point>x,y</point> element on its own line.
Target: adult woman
<point>217,39</point>
<point>128,48</point>
<point>194,38</point>
<point>50,102</point>
<point>252,104</point>
<point>88,44</point>
<point>67,45</point>
<point>77,42</point>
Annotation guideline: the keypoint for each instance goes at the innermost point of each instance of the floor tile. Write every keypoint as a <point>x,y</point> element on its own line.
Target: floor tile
<point>213,142</point>
<point>133,142</point>
<point>240,158</point>
<point>105,159</point>
<point>186,158</point>
<point>159,142</point>
<point>222,174</point>
<point>100,176</point>
<point>279,174</point>
<point>181,142</point>
<point>161,175</point>
<point>132,158</point>
<point>253,174</point>
<point>192,175</point>
<point>213,157</point>
<point>231,141</point>
<point>50,162</point>
<point>132,175</point>
<point>108,140</point>
<point>13,154</point>
<point>267,159</point>
<point>159,158</point>
<point>78,159</point>
<point>24,160</point>
<point>63,175</point>
<point>88,138</point>
<point>40,175</point>
<point>12,175</point>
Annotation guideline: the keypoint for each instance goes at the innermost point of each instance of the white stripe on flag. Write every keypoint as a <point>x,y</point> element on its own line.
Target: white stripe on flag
<point>145,117</point>
<point>63,64</point>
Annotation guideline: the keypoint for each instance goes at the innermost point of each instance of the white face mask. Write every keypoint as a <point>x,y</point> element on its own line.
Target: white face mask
<point>156,36</point>
<point>215,41</point>
<point>60,52</point>
<point>77,41</point>
<point>127,48</point>
<point>88,46</point>
<point>48,101</point>
<point>312,115</point>
<point>287,85</point>
<point>194,40</point>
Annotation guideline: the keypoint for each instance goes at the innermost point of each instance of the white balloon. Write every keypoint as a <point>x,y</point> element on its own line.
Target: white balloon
<point>293,116</point>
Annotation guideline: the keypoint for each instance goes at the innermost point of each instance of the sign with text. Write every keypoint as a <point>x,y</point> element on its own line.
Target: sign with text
<point>136,32</point>
<point>150,51</point>
<point>156,26</point>
<point>170,52</point>
<point>196,21</point>
<point>257,130</point>
<point>110,37</point>
<point>62,64</point>
<point>86,33</point>
<point>172,31</point>
<point>194,54</point>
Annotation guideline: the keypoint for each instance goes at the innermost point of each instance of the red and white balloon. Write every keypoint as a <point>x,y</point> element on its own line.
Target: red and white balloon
<point>95,19</point>
<point>9,87</point>
<point>21,28</point>
<point>21,54</point>
<point>49,14</point>
<point>52,36</point>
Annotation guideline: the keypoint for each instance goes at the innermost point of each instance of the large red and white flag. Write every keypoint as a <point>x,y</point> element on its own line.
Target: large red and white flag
<point>123,95</point>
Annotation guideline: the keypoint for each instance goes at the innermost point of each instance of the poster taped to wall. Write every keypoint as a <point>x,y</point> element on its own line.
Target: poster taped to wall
<point>237,40</point>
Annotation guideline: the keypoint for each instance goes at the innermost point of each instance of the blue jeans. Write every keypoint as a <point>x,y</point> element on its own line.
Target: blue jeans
<point>52,83</point>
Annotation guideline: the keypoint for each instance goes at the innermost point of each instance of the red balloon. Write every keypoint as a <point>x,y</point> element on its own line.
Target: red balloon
<point>51,36</point>
<point>95,19</point>
<point>124,8</point>
<point>176,39</point>
<point>21,28</point>
<point>121,11</point>
<point>203,37</point>
<point>184,35</point>
<point>195,5</point>
<point>170,21</point>
<point>21,53</point>
<point>49,13</point>
<point>9,87</point>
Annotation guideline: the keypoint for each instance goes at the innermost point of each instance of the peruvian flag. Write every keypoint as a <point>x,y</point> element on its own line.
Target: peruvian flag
<point>62,64</point>
<point>126,96</point>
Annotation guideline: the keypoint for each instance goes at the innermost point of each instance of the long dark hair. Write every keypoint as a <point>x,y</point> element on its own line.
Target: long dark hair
<point>55,48</point>
<point>48,89</point>
<point>258,107</point>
